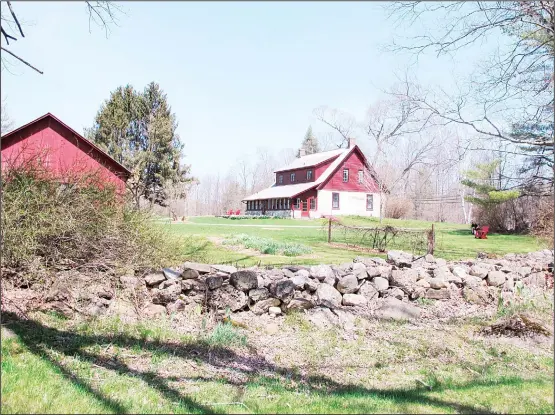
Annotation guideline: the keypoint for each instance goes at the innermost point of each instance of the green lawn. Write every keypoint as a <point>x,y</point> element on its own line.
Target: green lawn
<point>453,241</point>
<point>52,365</point>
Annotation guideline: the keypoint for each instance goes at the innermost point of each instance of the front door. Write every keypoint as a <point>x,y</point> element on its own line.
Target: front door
<point>304,209</point>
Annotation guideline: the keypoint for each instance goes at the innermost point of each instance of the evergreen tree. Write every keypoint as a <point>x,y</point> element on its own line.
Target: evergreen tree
<point>483,181</point>
<point>139,131</point>
<point>310,143</point>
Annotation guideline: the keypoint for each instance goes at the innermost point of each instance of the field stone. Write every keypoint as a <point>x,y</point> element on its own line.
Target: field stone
<point>177,305</point>
<point>154,310</point>
<point>311,285</point>
<point>400,258</point>
<point>373,272</point>
<point>330,280</point>
<point>129,281</point>
<point>300,304</point>
<point>282,289</point>
<point>299,280</point>
<point>381,284</point>
<point>429,258</point>
<point>262,306</point>
<point>368,291</point>
<point>359,271</point>
<point>472,281</point>
<point>440,262</point>
<point>288,273</point>
<point>320,272</point>
<point>348,284</point>
<point>258,294</point>
<point>404,279</point>
<point>276,274</point>
<point>244,280</point>
<point>478,271</point>
<point>396,292</point>
<point>227,296</point>
<point>190,274</point>
<point>459,272</point>
<point>262,282</point>
<point>276,311</point>
<point>354,300</point>
<point>423,283</point>
<point>228,269</point>
<point>392,308</point>
<point>155,278</point>
<point>167,295</point>
<point>441,294</point>
<point>200,268</point>
<point>303,273</point>
<point>437,283</point>
<point>214,281</point>
<point>495,278</point>
<point>167,283</point>
<point>475,295</point>
<point>328,296</point>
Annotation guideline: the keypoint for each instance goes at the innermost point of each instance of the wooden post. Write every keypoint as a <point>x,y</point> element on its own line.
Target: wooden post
<point>329,229</point>
<point>431,240</point>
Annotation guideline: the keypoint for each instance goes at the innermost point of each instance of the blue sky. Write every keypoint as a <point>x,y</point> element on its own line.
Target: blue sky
<point>238,75</point>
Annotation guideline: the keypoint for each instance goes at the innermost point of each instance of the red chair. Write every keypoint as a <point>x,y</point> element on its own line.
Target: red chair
<point>482,233</point>
<point>238,212</point>
<point>230,212</point>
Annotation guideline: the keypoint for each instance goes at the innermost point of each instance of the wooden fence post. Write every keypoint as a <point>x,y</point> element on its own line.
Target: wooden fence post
<point>329,229</point>
<point>431,240</point>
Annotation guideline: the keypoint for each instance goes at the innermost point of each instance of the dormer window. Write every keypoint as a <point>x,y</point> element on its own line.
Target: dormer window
<point>309,175</point>
<point>280,179</point>
<point>292,177</point>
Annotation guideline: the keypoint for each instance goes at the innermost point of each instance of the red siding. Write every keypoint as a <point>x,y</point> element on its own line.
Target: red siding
<point>59,151</point>
<point>300,174</point>
<point>354,163</point>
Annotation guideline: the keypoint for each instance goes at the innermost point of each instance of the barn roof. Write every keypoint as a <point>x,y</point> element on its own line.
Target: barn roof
<point>21,130</point>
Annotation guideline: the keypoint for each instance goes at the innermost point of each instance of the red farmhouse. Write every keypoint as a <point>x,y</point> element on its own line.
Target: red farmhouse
<point>337,182</point>
<point>61,150</point>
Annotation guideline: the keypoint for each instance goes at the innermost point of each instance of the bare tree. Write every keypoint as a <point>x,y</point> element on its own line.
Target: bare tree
<point>102,13</point>
<point>7,123</point>
<point>510,97</point>
<point>340,122</point>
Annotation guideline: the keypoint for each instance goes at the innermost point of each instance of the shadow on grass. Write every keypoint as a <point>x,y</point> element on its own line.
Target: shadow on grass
<point>45,341</point>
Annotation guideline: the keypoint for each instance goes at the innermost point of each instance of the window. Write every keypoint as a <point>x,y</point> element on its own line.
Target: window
<point>292,177</point>
<point>280,204</point>
<point>369,202</point>
<point>287,205</point>
<point>248,205</point>
<point>273,204</point>
<point>313,204</point>
<point>345,175</point>
<point>335,200</point>
<point>309,175</point>
<point>280,179</point>
<point>298,204</point>
<point>360,176</point>
<point>256,204</point>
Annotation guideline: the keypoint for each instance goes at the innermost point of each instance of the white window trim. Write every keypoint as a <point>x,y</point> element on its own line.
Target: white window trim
<point>361,176</point>
<point>298,203</point>
<point>292,177</point>
<point>280,179</point>
<point>345,175</point>
<point>309,174</point>
<point>332,204</point>
<point>372,198</point>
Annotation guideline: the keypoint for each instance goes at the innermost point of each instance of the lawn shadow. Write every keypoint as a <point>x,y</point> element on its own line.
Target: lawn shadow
<point>253,369</point>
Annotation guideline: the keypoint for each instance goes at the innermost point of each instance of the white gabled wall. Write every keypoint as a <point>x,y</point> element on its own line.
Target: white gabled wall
<point>350,203</point>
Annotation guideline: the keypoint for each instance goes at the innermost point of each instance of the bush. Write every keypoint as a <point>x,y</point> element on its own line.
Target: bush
<point>82,224</point>
<point>397,207</point>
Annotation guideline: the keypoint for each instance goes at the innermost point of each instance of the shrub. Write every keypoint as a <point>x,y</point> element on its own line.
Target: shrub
<point>268,246</point>
<point>397,207</point>
<point>81,224</point>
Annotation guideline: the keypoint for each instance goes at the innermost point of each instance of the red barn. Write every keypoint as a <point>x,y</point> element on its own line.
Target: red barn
<point>61,150</point>
<point>337,182</point>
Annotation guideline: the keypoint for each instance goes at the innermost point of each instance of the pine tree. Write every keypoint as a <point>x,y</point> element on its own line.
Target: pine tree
<point>310,143</point>
<point>139,130</point>
<point>483,181</point>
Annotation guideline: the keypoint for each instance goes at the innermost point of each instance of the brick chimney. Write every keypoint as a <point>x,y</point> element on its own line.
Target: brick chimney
<point>352,142</point>
<point>302,152</point>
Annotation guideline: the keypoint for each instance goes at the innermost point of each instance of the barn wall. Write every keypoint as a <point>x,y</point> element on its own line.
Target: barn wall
<point>60,152</point>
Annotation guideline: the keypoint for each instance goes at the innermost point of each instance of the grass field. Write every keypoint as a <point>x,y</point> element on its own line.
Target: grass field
<point>52,365</point>
<point>453,241</point>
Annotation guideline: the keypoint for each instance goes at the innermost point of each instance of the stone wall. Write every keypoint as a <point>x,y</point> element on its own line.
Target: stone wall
<point>386,288</point>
